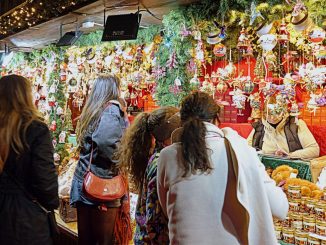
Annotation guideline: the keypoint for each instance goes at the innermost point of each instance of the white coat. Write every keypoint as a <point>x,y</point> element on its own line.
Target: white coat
<point>194,204</point>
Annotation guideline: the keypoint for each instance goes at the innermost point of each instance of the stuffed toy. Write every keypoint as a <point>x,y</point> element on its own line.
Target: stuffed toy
<point>308,189</point>
<point>283,172</point>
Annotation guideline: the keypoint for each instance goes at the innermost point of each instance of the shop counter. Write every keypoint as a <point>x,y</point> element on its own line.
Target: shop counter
<point>68,231</point>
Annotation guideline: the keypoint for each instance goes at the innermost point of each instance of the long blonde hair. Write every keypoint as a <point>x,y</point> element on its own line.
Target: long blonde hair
<point>105,88</point>
<point>17,112</point>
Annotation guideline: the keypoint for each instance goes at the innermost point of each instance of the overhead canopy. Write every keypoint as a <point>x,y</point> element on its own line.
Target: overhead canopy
<point>50,15</point>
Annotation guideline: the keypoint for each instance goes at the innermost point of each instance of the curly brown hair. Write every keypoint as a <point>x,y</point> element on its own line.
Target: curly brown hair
<point>136,144</point>
<point>196,108</point>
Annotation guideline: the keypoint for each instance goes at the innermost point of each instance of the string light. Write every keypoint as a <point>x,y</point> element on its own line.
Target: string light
<point>34,12</point>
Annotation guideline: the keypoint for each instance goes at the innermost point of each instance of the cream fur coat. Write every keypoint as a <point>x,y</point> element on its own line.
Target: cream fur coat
<point>193,205</point>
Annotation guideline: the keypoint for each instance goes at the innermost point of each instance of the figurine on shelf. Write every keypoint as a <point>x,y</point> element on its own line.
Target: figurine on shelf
<point>284,35</point>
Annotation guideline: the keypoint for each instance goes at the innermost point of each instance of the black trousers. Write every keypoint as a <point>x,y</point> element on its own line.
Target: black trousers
<point>95,226</point>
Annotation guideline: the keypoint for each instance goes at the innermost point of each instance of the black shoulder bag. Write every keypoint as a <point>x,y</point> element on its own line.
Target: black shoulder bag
<point>54,230</point>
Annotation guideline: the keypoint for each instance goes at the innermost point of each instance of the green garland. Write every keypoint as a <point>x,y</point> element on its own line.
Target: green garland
<point>234,13</point>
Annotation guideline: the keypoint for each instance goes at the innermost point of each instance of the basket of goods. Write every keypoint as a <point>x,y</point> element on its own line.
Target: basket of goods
<point>66,212</point>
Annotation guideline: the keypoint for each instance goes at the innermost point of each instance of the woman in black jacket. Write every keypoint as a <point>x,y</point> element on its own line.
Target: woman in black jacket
<point>26,166</point>
<point>102,124</point>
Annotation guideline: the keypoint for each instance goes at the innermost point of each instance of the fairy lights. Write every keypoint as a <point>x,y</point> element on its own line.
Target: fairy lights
<point>34,12</point>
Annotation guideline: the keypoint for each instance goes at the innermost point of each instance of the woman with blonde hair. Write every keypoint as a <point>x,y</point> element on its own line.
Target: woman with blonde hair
<point>102,125</point>
<point>281,133</point>
<point>140,149</point>
<point>27,168</point>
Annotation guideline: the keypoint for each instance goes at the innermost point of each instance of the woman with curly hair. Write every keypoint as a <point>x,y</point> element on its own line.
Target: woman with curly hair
<point>211,185</point>
<point>140,149</point>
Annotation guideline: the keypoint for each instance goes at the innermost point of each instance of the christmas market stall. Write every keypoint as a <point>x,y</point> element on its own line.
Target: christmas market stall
<point>241,52</point>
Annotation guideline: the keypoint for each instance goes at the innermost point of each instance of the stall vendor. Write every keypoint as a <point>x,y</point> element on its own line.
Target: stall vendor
<point>282,134</point>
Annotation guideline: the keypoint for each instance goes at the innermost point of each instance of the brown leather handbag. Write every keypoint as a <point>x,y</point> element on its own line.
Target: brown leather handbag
<point>103,190</point>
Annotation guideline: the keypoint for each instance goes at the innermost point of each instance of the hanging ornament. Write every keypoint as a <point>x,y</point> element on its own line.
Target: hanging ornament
<point>317,35</point>
<point>172,62</point>
<point>53,126</point>
<point>63,76</point>
<point>54,143</point>
<point>36,96</point>
<point>208,88</point>
<point>195,81</point>
<point>139,54</point>
<point>268,42</point>
<point>213,38</point>
<point>207,78</point>
<point>243,40</point>
<point>221,87</point>
<point>239,100</point>
<point>197,35</point>
<point>231,69</point>
<point>177,82</point>
<point>248,86</point>
<point>255,104</point>
<point>294,110</point>
<point>51,101</point>
<point>200,56</point>
<point>78,99</point>
<point>284,35</point>
<point>59,111</point>
<point>300,18</point>
<point>254,13</point>
<point>56,157</point>
<point>214,78</point>
<point>62,137</point>
<point>320,52</point>
<point>53,88</point>
<point>312,105</point>
<point>248,52</point>
<point>219,50</point>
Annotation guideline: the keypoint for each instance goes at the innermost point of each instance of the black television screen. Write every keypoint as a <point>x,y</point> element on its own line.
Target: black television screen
<point>121,27</point>
<point>69,38</point>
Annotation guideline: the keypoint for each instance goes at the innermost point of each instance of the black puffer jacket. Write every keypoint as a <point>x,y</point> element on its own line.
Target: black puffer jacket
<point>22,221</point>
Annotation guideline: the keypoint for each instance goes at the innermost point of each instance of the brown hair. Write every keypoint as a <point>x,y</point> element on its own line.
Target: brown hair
<point>105,88</point>
<point>196,108</point>
<point>17,112</point>
<point>136,144</point>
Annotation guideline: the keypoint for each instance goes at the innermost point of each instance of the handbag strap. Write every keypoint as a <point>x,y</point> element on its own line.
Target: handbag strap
<point>232,207</point>
<point>91,158</point>
<point>27,193</point>
<point>92,149</point>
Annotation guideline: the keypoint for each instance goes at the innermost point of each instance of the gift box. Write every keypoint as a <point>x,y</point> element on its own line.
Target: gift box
<point>66,212</point>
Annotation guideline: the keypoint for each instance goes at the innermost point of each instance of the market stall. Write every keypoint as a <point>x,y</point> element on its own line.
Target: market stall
<point>240,52</point>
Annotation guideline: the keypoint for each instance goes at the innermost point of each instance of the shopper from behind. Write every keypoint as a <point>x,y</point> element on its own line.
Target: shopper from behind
<point>27,171</point>
<point>140,149</point>
<point>280,133</point>
<point>212,187</point>
<point>102,125</point>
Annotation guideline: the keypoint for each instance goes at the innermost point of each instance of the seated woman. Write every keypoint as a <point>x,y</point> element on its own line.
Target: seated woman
<point>281,134</point>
